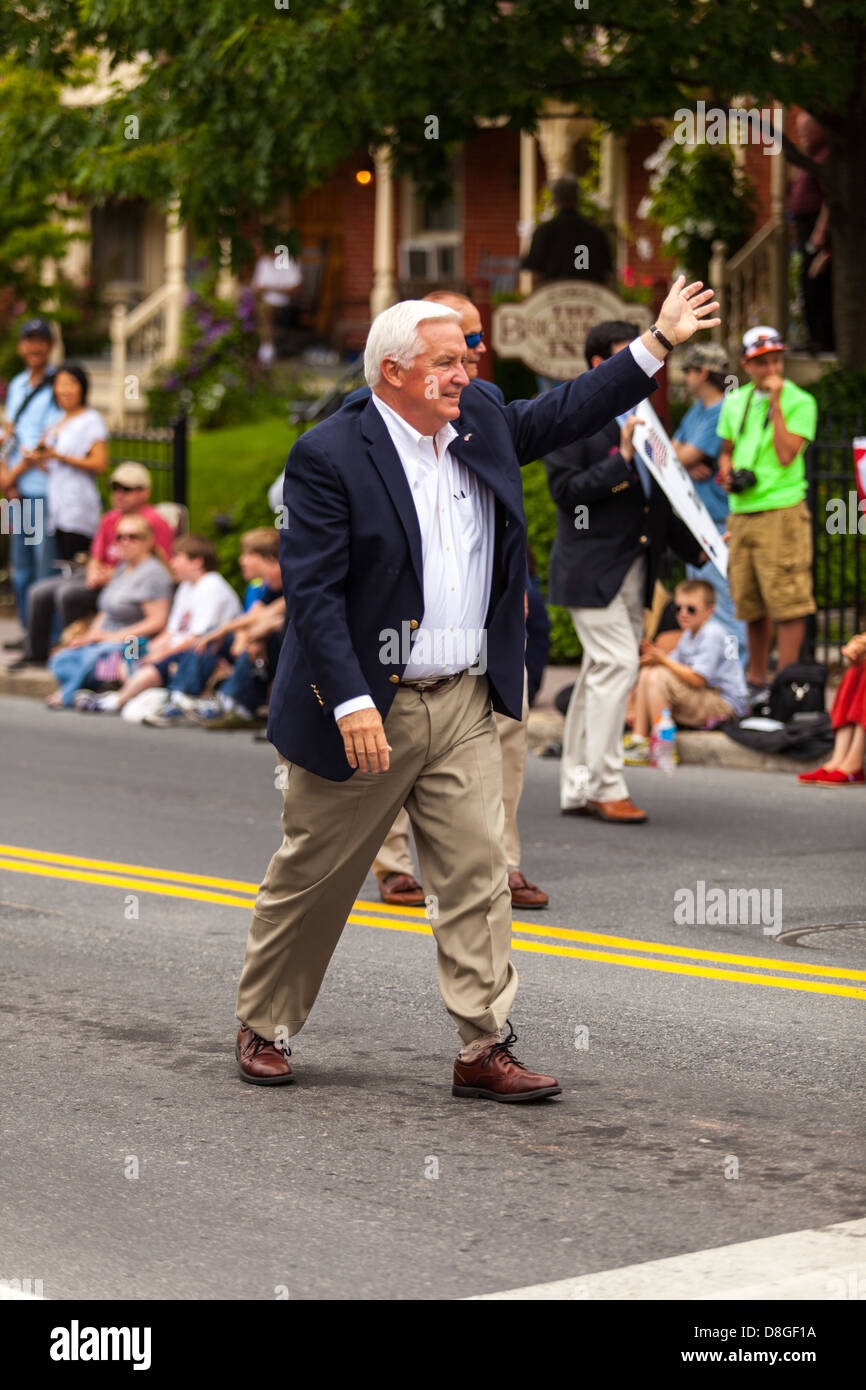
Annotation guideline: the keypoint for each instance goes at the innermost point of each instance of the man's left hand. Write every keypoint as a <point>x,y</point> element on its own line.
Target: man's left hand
<point>686,309</point>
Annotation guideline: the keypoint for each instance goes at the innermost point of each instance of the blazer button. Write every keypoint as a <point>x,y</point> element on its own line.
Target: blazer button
<point>646,509</point>
<point>413,623</point>
<point>395,680</point>
<point>642,540</point>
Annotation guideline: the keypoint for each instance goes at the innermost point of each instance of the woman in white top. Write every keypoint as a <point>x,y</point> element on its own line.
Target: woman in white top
<point>73,452</point>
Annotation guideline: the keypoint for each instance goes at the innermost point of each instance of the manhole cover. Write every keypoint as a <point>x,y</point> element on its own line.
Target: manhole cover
<point>835,934</point>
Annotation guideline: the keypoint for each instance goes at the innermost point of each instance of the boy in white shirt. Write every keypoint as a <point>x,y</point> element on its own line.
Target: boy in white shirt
<point>203,601</point>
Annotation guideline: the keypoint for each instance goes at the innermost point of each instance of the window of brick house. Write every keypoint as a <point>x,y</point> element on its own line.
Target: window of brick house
<point>431,249</point>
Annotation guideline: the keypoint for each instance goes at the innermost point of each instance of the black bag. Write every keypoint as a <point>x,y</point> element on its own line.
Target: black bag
<point>796,690</point>
<point>807,735</point>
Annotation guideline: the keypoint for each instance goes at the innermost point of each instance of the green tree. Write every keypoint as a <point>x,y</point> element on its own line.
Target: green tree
<point>239,102</point>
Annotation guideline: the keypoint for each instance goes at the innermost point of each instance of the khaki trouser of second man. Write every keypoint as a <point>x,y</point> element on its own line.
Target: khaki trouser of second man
<point>394,855</point>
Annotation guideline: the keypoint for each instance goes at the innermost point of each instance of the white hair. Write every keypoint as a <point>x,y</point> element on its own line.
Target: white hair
<point>394,333</point>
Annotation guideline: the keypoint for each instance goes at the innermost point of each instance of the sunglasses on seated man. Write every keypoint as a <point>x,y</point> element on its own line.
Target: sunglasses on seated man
<point>473,339</point>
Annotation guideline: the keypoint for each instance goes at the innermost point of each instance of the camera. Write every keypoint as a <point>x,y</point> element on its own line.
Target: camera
<point>742,478</point>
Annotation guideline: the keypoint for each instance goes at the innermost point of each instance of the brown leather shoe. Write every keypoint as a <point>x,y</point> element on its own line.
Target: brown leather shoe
<point>401,889</point>
<point>617,812</point>
<point>524,893</point>
<point>260,1062</point>
<point>497,1075</point>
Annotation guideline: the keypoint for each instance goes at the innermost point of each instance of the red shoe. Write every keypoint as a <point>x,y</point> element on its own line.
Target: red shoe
<point>810,778</point>
<point>497,1075</point>
<point>401,889</point>
<point>835,778</point>
<point>260,1062</point>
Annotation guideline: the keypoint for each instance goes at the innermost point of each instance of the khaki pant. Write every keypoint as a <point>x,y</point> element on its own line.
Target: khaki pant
<point>770,563</point>
<point>394,855</point>
<point>691,707</point>
<point>592,758</point>
<point>446,770</point>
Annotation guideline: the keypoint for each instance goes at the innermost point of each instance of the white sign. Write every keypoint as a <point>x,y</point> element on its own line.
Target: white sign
<point>548,330</point>
<point>657,452</point>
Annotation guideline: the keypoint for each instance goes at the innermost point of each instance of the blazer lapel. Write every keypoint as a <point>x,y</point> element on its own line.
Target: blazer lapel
<point>390,469</point>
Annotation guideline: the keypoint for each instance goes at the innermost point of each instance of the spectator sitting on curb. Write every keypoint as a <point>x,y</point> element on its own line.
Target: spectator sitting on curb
<point>203,600</point>
<point>235,704</point>
<point>260,567</point>
<point>133,605</point>
<point>845,765</point>
<point>701,681</point>
<point>69,597</point>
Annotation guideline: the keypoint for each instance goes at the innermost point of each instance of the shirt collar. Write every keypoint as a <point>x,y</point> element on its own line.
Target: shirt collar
<point>403,434</point>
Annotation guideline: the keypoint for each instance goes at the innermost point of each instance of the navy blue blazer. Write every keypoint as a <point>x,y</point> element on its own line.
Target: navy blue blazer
<point>350,553</point>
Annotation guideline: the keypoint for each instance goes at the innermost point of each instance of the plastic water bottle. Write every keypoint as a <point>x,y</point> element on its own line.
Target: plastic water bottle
<point>663,743</point>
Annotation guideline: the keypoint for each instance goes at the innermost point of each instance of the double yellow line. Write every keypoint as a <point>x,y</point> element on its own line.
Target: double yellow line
<point>614,950</point>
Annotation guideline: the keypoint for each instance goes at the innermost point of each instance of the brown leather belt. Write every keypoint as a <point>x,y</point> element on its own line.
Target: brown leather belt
<point>427,687</point>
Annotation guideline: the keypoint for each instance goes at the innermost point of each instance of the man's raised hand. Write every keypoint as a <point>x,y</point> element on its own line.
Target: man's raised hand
<point>686,309</point>
<point>364,740</point>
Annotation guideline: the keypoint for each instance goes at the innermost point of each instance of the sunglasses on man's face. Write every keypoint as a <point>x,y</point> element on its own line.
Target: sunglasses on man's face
<point>473,339</point>
<point>130,536</point>
<point>687,608</point>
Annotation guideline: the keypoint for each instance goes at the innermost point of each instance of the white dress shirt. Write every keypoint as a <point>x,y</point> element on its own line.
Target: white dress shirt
<point>455,517</point>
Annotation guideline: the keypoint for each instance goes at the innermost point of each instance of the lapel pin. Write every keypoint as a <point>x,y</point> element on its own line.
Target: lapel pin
<point>466,438</point>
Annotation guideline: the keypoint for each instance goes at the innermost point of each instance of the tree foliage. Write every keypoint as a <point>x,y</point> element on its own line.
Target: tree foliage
<point>240,102</point>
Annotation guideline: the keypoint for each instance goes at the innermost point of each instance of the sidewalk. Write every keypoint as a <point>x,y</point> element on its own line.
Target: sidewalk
<point>701,747</point>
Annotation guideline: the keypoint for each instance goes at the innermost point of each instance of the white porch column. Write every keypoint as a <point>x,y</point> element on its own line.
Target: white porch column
<point>175,267</point>
<point>528,195</point>
<point>227,282</point>
<point>384,290</point>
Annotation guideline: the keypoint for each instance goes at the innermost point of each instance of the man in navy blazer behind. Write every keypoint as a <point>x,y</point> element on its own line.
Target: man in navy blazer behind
<point>404,564</point>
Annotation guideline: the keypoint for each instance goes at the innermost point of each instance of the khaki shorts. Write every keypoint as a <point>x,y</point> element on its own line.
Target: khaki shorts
<point>770,563</point>
<point>691,708</point>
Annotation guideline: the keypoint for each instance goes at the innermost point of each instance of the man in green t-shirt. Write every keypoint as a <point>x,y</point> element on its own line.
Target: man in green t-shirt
<point>764,428</point>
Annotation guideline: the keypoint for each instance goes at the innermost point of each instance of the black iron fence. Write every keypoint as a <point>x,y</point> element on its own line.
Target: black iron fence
<point>162,451</point>
<point>839,533</point>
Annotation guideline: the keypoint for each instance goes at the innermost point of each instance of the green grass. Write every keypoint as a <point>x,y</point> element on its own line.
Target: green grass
<point>231,467</point>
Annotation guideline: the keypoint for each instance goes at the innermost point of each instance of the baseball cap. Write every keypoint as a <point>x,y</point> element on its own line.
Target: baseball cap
<point>762,339</point>
<point>709,355</point>
<point>131,475</point>
<point>36,328</point>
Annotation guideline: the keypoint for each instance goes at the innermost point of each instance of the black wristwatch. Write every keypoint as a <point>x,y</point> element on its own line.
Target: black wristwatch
<point>657,333</point>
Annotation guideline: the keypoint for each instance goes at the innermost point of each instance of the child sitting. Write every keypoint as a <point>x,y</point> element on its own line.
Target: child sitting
<point>249,644</point>
<point>700,682</point>
<point>202,601</point>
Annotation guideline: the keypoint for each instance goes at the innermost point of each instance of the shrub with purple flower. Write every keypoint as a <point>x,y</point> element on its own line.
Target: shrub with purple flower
<point>217,379</point>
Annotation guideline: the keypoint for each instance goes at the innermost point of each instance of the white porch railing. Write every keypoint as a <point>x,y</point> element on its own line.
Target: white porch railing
<point>752,287</point>
<point>148,336</point>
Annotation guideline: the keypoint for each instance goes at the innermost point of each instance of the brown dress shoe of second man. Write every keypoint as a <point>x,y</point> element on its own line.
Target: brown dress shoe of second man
<point>401,889</point>
<point>617,812</point>
<point>497,1075</point>
<point>524,893</point>
<point>260,1062</point>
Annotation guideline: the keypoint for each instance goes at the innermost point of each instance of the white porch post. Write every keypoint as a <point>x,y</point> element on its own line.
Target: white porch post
<point>384,291</point>
<point>175,267</point>
<point>227,282</point>
<point>528,194</point>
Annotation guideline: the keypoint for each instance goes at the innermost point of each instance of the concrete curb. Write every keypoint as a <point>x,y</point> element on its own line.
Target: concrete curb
<point>697,747</point>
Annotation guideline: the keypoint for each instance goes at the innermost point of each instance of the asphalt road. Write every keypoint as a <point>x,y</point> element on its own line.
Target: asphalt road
<point>118,1035</point>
